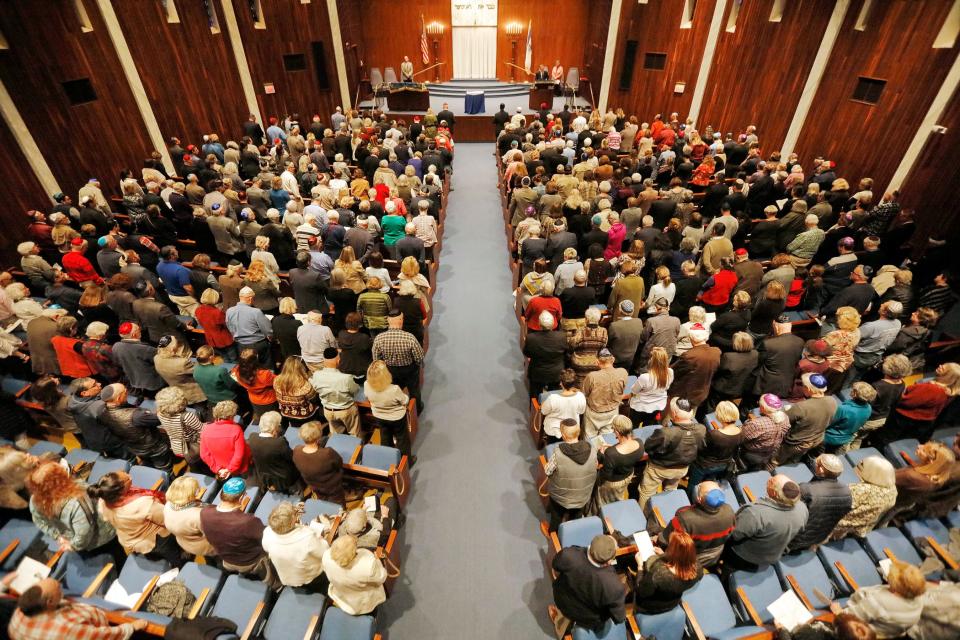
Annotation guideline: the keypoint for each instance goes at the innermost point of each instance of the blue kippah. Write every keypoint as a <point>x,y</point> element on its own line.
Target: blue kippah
<point>102,241</point>
<point>234,486</point>
<point>818,381</point>
<point>715,498</point>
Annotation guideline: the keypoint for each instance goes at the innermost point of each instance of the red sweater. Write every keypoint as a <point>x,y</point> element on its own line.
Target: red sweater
<point>79,268</point>
<point>923,401</point>
<point>214,324</point>
<point>222,447</point>
<point>539,304</point>
<point>724,282</point>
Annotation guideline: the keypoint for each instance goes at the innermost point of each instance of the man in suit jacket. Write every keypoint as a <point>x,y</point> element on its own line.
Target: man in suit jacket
<point>558,242</point>
<point>446,114</point>
<point>625,333</point>
<point>693,371</point>
<point>156,317</point>
<point>272,458</point>
<point>587,590</point>
<point>779,355</point>
<point>253,130</point>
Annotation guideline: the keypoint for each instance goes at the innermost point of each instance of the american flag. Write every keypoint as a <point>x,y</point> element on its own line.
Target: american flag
<point>424,48</point>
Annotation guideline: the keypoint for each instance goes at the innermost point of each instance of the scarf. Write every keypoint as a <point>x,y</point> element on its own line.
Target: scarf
<point>136,492</point>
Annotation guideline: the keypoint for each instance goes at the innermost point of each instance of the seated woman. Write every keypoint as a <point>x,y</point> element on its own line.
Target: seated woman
<point>181,516</point>
<point>893,608</point>
<point>68,349</point>
<point>762,435</point>
<point>257,381</point>
<point>370,529</point>
<point>15,467</point>
<point>619,463</point>
<point>137,516</point>
<point>585,343</point>
<point>320,467</point>
<point>873,496</point>
<point>389,405</point>
<point>173,362</point>
<point>569,403</point>
<point>273,467</point>
<point>356,577</point>
<point>850,416</point>
<point>715,460</point>
<point>62,510</point>
<point>213,321</point>
<point>844,626</point>
<point>182,427</point>
<point>296,550</point>
<point>46,391</point>
<point>296,397</point>
<point>929,472</point>
<point>662,579</point>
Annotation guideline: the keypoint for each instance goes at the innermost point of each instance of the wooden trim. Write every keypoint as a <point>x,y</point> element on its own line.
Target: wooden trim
<point>244,501</point>
<point>54,558</point>
<point>634,627</point>
<point>692,619</point>
<point>10,549</point>
<point>94,586</point>
<point>555,541</point>
<point>333,528</point>
<point>800,594</point>
<point>749,494</point>
<point>312,627</point>
<point>156,485</point>
<point>355,456</point>
<point>659,517</point>
<point>146,593</point>
<point>887,552</point>
<point>943,553</point>
<point>195,609</point>
<point>751,610</point>
<point>846,576</point>
<point>252,622</point>
<point>906,458</point>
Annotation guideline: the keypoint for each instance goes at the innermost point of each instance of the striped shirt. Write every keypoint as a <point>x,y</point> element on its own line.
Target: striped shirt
<point>374,306</point>
<point>181,430</point>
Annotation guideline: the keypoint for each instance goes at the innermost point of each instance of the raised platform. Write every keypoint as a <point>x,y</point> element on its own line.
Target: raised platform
<point>491,88</point>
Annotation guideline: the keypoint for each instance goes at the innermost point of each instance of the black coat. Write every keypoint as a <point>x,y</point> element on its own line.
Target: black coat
<point>735,371</point>
<point>779,356</point>
<point>273,464</point>
<point>546,350</point>
<point>285,333</point>
<point>587,594</point>
<point>828,501</point>
<point>308,290</point>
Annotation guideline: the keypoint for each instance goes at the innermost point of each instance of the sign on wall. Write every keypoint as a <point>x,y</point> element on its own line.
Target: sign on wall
<point>473,13</point>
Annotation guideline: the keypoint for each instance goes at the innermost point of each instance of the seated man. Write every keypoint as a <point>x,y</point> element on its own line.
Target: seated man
<point>571,474</point>
<point>709,522</point>
<point>827,500</point>
<point>42,613</point>
<point>587,590</point>
<point>765,527</point>
<point>237,536</point>
<point>671,450</point>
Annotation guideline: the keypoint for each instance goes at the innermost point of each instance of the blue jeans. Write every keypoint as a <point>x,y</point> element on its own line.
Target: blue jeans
<point>700,474</point>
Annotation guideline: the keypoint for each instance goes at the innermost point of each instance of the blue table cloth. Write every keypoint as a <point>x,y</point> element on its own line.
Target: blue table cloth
<point>474,103</point>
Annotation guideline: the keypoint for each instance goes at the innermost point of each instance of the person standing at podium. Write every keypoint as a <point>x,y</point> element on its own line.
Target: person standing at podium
<point>406,70</point>
<point>542,75</point>
<point>556,74</point>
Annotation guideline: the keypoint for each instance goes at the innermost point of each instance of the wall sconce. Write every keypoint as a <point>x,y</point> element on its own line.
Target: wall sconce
<point>514,29</point>
<point>679,87</point>
<point>435,28</point>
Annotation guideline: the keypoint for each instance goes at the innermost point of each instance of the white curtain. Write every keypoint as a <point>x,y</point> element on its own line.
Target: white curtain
<point>474,53</point>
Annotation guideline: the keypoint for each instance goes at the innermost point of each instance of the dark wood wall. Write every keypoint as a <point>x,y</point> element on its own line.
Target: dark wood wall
<point>869,140</point>
<point>595,45</point>
<point>759,70</point>
<point>559,33</point>
<point>189,73</point>
<point>47,47</point>
<point>22,192</point>
<point>391,30</point>
<point>291,28</point>
<point>655,27</point>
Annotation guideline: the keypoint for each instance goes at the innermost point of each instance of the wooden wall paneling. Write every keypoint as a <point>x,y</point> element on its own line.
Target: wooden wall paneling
<point>759,71</point>
<point>96,138</point>
<point>354,47</point>
<point>189,74</point>
<point>560,32</point>
<point>291,28</point>
<point>931,187</point>
<point>22,192</point>
<point>656,28</point>
<point>896,46</point>
<point>595,45</point>
<point>391,30</point>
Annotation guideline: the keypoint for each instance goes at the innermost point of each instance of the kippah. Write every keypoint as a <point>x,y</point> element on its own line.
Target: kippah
<point>791,490</point>
<point>715,498</point>
<point>818,381</point>
<point>102,241</point>
<point>330,353</point>
<point>626,306</point>
<point>126,328</point>
<point>234,487</point>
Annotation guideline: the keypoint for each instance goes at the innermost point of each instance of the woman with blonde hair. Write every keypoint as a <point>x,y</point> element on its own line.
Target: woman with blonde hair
<point>173,362</point>
<point>92,307</point>
<point>843,340</point>
<point>662,288</point>
<point>295,395</point>
<point>359,185</point>
<point>181,516</point>
<point>356,577</point>
<point>353,271</point>
<point>389,405</point>
<point>648,396</point>
<point>262,253</point>
<point>413,307</point>
<point>230,284</point>
<point>266,295</point>
<point>410,270</point>
<point>894,608</point>
<point>213,321</point>
<point>930,471</point>
<point>715,460</point>
<point>873,496</point>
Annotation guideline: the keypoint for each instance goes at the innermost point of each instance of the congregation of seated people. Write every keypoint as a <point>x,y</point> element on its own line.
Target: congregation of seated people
<point>741,357</point>
<point>221,370</point>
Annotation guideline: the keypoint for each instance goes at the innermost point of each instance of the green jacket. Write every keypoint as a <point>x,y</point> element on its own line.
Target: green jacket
<point>215,382</point>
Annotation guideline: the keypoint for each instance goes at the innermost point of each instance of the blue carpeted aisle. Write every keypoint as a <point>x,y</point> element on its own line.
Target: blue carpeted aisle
<point>473,558</point>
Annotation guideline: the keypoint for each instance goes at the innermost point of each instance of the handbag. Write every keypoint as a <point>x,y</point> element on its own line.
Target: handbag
<point>191,447</point>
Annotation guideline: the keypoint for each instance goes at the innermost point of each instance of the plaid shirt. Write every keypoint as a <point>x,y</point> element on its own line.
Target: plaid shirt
<point>69,621</point>
<point>426,229</point>
<point>806,243</point>
<point>397,348</point>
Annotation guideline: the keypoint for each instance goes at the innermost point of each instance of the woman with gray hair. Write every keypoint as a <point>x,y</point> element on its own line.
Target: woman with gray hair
<point>181,426</point>
<point>370,529</point>
<point>173,363</point>
<point>296,550</point>
<point>273,466</point>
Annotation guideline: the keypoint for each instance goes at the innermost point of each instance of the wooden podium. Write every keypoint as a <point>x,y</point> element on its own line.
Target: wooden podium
<point>411,97</point>
<point>541,92</point>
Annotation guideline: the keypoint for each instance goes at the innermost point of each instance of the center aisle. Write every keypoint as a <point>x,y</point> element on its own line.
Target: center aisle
<point>473,559</point>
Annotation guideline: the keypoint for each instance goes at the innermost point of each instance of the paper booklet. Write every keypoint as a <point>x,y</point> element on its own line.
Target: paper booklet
<point>644,545</point>
<point>789,611</point>
<point>29,573</point>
